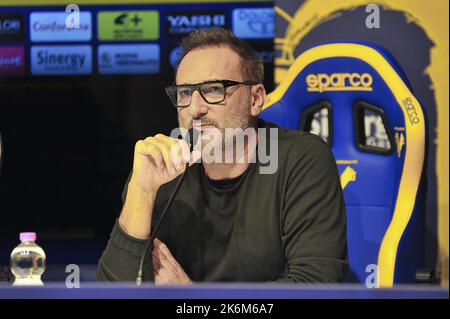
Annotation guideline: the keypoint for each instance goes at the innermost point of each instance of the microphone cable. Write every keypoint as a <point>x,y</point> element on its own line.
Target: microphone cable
<point>155,230</point>
<point>193,137</point>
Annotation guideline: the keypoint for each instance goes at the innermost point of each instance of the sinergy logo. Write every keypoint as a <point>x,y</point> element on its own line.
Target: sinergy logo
<point>323,82</point>
<point>64,59</point>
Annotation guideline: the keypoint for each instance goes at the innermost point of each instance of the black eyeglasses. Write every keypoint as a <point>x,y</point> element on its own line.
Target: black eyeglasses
<point>213,92</point>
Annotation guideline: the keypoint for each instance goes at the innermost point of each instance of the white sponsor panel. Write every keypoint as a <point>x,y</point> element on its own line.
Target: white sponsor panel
<point>254,23</point>
<point>128,58</point>
<point>61,60</point>
<point>186,22</point>
<point>53,27</point>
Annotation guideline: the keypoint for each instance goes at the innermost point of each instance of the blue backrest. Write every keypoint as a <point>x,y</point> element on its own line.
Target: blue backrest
<point>357,98</point>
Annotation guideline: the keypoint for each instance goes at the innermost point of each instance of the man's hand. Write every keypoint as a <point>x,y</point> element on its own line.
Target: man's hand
<point>157,160</point>
<point>166,270</point>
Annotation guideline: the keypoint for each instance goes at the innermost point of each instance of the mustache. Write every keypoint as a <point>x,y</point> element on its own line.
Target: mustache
<point>204,121</point>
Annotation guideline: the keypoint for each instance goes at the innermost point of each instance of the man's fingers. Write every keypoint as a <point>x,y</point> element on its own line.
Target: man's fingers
<point>165,152</point>
<point>185,151</point>
<point>175,150</point>
<point>158,253</point>
<point>179,148</point>
<point>163,277</point>
<point>165,254</point>
<point>166,269</point>
<point>164,265</point>
<point>156,262</point>
<point>145,147</point>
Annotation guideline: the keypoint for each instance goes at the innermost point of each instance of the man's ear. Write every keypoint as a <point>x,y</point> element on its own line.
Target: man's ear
<point>258,98</point>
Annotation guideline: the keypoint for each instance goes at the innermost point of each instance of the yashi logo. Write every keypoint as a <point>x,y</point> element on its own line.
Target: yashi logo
<point>205,20</point>
<point>323,82</point>
<point>182,23</point>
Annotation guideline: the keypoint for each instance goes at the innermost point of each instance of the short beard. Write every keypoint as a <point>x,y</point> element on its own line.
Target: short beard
<point>242,119</point>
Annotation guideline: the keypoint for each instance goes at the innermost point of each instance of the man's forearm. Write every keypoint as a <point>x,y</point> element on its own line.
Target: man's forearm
<point>136,215</point>
<point>120,259</point>
<point>315,270</point>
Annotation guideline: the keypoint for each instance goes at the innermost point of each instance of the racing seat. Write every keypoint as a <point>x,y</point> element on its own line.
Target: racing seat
<point>355,96</point>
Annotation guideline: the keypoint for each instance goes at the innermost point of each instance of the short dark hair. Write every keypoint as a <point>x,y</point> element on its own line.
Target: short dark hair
<point>252,66</point>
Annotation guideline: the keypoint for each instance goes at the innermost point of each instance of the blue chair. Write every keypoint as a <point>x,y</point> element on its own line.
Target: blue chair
<point>357,98</point>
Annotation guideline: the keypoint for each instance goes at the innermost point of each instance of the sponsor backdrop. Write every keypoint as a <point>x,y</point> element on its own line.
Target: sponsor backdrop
<point>162,26</point>
<point>77,90</point>
<point>416,33</point>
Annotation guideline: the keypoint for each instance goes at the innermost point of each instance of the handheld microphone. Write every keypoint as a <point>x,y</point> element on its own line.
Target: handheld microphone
<point>191,138</point>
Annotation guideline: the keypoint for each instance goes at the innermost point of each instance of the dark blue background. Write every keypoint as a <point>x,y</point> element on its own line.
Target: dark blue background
<point>68,141</point>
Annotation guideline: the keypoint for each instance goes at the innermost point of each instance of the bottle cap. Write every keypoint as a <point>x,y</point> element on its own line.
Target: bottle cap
<point>27,236</point>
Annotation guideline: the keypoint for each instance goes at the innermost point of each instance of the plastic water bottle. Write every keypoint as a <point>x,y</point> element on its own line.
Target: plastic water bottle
<point>28,261</point>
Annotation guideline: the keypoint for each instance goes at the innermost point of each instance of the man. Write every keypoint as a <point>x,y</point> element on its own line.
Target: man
<point>228,221</point>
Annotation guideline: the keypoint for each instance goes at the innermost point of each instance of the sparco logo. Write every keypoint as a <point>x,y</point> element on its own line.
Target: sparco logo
<point>11,27</point>
<point>186,23</point>
<point>323,82</point>
<point>412,112</point>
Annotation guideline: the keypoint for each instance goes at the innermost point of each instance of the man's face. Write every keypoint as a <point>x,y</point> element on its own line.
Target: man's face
<point>215,63</point>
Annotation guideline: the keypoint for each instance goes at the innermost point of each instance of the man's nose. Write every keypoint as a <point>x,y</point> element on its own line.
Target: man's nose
<point>198,106</point>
